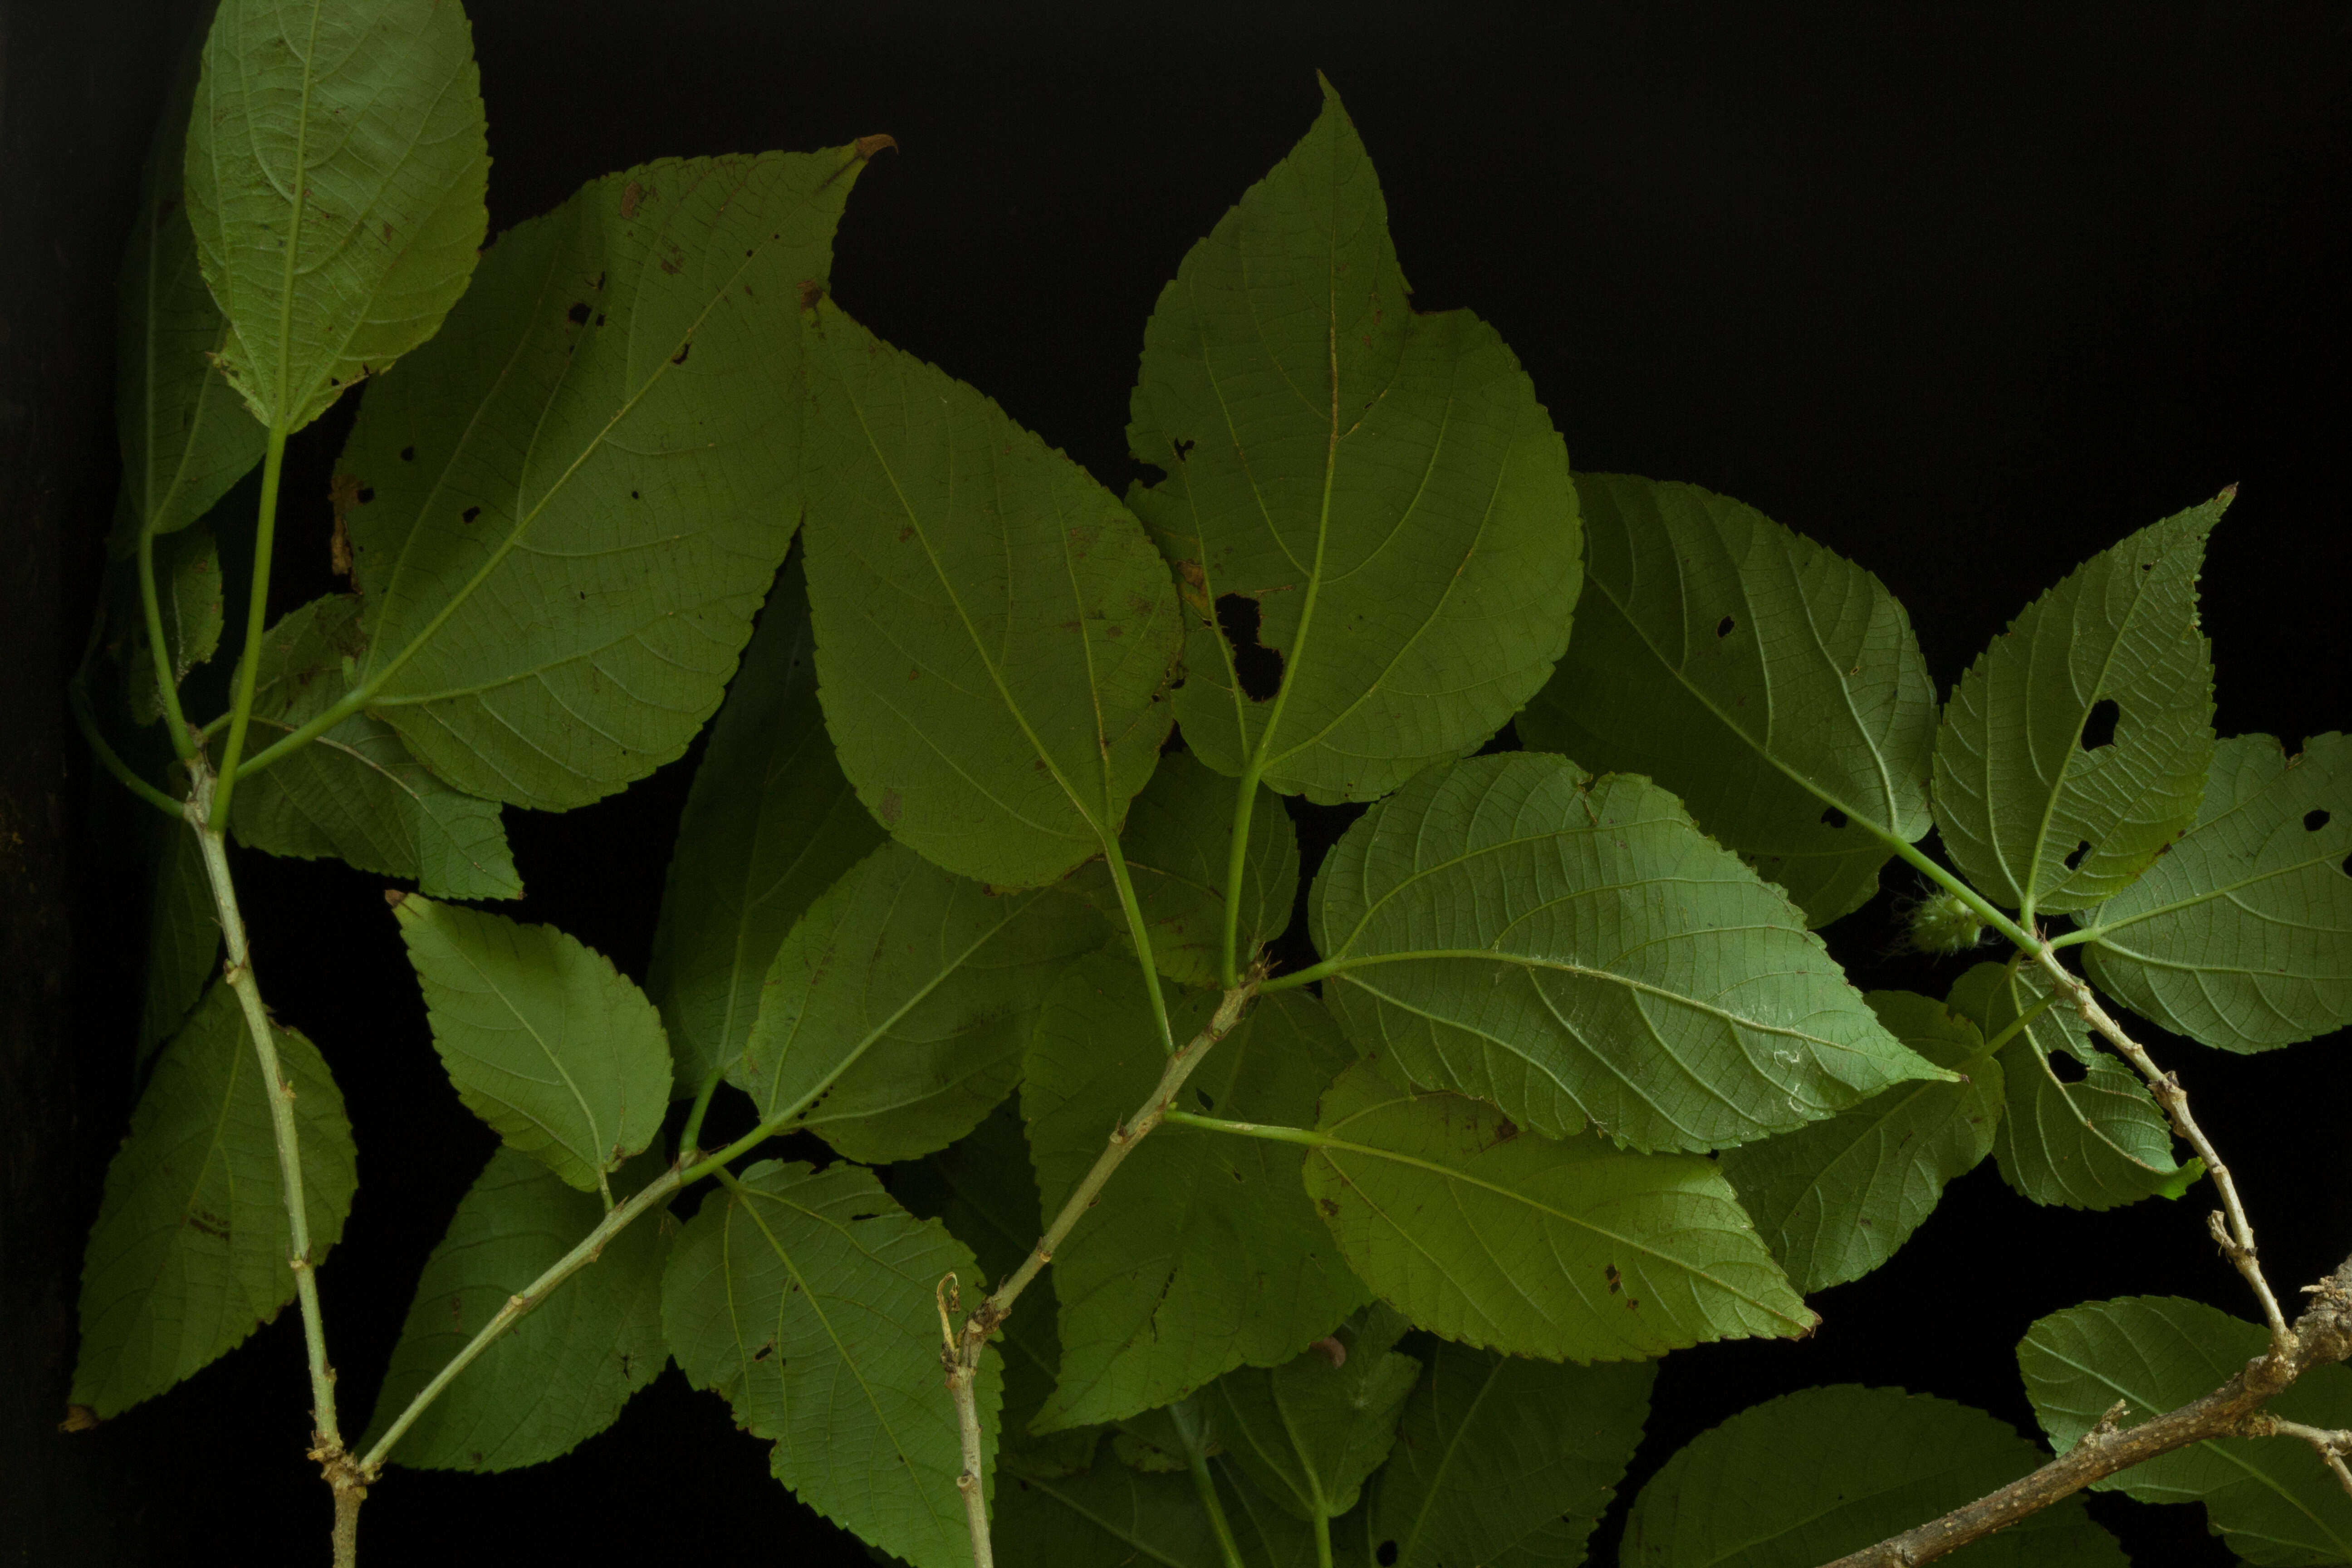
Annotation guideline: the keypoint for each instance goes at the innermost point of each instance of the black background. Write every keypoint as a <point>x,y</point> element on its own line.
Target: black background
<point>1965,293</point>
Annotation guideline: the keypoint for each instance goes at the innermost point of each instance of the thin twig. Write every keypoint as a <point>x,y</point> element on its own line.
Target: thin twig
<point>2332,1445</point>
<point>651,1195</point>
<point>326,1436</point>
<point>961,1374</point>
<point>2322,1335</point>
<point>959,1355</point>
<point>2234,1232</point>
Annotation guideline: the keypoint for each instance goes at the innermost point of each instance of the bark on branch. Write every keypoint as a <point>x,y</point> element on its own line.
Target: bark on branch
<point>2321,1336</point>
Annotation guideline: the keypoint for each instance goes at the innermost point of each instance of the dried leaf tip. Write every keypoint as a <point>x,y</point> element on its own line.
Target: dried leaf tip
<point>866,146</point>
<point>395,896</point>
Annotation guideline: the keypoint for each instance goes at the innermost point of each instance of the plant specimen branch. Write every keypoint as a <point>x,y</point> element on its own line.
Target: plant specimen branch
<point>2320,1337</point>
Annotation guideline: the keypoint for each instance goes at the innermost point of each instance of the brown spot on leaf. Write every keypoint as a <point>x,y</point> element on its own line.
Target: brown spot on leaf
<point>387,231</point>
<point>683,349</point>
<point>811,291</point>
<point>578,314</point>
<point>1616,1281</point>
<point>469,514</point>
<point>1505,1129</point>
<point>1330,1346</point>
<point>866,146</point>
<point>630,197</point>
<point>1330,1210</point>
<point>893,807</point>
<point>211,1224</point>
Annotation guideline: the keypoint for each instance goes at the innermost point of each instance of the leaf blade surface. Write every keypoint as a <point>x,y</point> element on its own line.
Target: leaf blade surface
<point>1576,950</point>
<point>1380,488</point>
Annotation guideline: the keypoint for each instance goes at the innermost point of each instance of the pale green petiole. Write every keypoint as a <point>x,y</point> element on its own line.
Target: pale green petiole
<point>256,616</point>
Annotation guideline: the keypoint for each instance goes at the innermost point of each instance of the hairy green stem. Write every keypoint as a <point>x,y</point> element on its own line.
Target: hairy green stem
<point>651,1195</point>
<point>79,700</point>
<point>1236,862</point>
<point>256,616</point>
<point>167,680</point>
<point>1140,934</point>
<point>280,1095</point>
<point>1193,1433</point>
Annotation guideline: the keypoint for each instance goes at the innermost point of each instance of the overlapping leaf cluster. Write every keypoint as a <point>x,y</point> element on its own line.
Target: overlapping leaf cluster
<point>1571,1083</point>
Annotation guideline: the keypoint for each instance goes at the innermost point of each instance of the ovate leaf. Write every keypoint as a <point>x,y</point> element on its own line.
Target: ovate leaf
<point>189,1254</point>
<point>993,629</point>
<point>1310,1431</point>
<point>184,940</point>
<point>805,1298</point>
<point>2075,747</point>
<point>2272,1497</point>
<point>562,1374</point>
<point>1370,511</point>
<point>2240,935</point>
<point>1835,1199</point>
<point>542,1038</point>
<point>1506,1239</point>
<point>893,1017</point>
<point>1505,1462</point>
<point>1826,1471</point>
<point>1773,684</point>
<point>188,598</point>
<point>1177,843</point>
<point>768,825</point>
<point>1203,1253</point>
<point>355,793</point>
<point>583,486</point>
<point>2079,1128</point>
<point>982,1189</point>
<point>335,167</point>
<point>1579,952</point>
<point>186,439</point>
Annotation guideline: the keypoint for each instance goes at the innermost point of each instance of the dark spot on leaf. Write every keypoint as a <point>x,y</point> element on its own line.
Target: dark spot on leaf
<point>683,349</point>
<point>905,534</point>
<point>624,1364</point>
<point>1632,1304</point>
<point>893,807</point>
<point>811,292</point>
<point>469,514</point>
<point>630,197</point>
<point>1616,1281</point>
<point>1386,1553</point>
<point>1724,626</point>
<point>2066,1070</point>
<point>1183,450</point>
<point>1833,817</point>
<point>1330,1210</point>
<point>578,314</point>
<point>1505,1129</point>
<point>1256,667</point>
<point>211,1224</point>
<point>474,1457</point>
<point>2313,821</point>
<point>633,495</point>
<point>2074,860</point>
<point>408,454</point>
<point>2099,727</point>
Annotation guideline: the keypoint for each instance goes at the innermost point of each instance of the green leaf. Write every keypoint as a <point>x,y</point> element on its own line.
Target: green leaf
<point>562,1374</point>
<point>2240,935</point>
<point>1505,1462</point>
<point>2093,1139</point>
<point>188,596</point>
<point>893,1017</point>
<point>1576,950</point>
<point>542,1038</point>
<point>184,438</point>
<point>1506,1239</point>
<point>1826,1471</point>
<point>356,794</point>
<point>1108,1517</point>
<point>1835,1200</point>
<point>1203,1253</point>
<point>335,169</point>
<point>1371,499</point>
<point>189,1253</point>
<point>994,631</point>
<point>584,485</point>
<point>1179,833</point>
<point>805,1298</point>
<point>981,1189</point>
<point>770,825</point>
<point>2272,1497</point>
<point>2036,816</point>
<point>184,941</point>
<point>1773,684</point>
<point>1310,1431</point>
